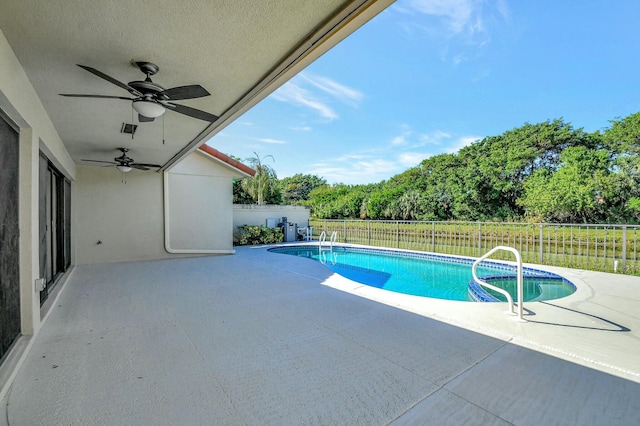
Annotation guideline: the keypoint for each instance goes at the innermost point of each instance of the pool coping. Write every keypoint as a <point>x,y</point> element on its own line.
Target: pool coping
<point>476,291</point>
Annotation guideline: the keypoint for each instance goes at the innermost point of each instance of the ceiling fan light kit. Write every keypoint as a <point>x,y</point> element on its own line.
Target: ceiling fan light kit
<point>124,169</point>
<point>148,109</point>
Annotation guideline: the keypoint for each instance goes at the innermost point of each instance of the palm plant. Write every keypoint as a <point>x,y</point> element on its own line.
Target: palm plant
<point>263,182</point>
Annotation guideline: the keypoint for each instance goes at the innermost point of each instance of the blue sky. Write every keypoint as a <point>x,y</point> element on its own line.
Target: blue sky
<point>430,76</point>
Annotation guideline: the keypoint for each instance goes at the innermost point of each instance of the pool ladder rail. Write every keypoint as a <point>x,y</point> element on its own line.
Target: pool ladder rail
<point>519,278</point>
<point>323,238</point>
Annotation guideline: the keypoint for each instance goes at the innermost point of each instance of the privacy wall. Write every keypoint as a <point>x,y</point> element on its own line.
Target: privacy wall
<point>199,206</point>
<point>253,214</point>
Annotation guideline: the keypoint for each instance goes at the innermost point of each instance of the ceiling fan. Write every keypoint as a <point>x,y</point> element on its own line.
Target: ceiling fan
<point>125,164</point>
<point>150,99</point>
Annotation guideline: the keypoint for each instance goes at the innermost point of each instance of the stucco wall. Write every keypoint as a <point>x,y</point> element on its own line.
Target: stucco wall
<point>252,214</point>
<point>117,221</point>
<point>199,200</point>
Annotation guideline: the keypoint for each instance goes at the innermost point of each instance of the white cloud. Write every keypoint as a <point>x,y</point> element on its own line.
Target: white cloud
<point>445,143</point>
<point>459,14</point>
<point>377,164</point>
<point>411,159</point>
<point>355,172</point>
<point>341,92</point>
<point>398,140</point>
<point>503,9</point>
<point>401,139</point>
<point>272,141</point>
<point>351,157</point>
<point>463,29</point>
<point>296,95</point>
<point>302,128</point>
<point>318,93</point>
<point>437,137</point>
<point>461,142</point>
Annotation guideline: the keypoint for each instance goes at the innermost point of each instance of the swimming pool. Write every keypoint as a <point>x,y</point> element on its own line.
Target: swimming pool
<point>430,275</point>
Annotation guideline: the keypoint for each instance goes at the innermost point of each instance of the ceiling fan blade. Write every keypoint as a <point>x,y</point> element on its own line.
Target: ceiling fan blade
<point>143,119</point>
<point>191,112</point>
<point>155,166</point>
<point>111,80</point>
<point>138,166</point>
<point>185,92</point>
<point>71,95</point>
<point>98,161</point>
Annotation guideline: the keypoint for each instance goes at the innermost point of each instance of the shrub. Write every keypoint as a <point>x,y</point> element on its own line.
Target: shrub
<point>252,235</point>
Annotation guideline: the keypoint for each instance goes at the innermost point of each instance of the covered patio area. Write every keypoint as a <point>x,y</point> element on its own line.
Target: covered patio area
<point>262,338</point>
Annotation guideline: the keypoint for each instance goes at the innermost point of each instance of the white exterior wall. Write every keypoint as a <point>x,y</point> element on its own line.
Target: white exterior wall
<point>199,205</point>
<point>117,221</point>
<point>253,214</point>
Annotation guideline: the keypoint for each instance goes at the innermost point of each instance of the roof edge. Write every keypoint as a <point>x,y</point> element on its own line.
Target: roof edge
<point>226,159</point>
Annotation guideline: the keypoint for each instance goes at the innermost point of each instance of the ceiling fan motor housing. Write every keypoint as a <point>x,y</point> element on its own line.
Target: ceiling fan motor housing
<point>147,67</point>
<point>147,87</point>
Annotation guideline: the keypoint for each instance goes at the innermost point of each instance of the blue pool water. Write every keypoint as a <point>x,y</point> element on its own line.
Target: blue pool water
<point>421,274</point>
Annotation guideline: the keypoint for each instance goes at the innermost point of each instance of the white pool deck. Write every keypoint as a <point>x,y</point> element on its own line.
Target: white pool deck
<point>265,339</point>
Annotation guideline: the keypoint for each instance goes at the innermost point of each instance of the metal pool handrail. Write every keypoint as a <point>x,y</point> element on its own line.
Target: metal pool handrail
<point>323,238</point>
<point>519,278</point>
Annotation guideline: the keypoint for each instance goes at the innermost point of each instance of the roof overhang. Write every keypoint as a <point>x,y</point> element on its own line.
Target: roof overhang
<point>240,51</point>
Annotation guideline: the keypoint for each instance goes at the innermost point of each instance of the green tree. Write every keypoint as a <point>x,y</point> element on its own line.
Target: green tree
<point>409,205</point>
<point>624,135</point>
<point>623,141</point>
<point>497,166</point>
<point>240,196</point>
<point>324,203</point>
<point>296,189</point>
<point>574,192</point>
<point>339,201</point>
<point>440,184</point>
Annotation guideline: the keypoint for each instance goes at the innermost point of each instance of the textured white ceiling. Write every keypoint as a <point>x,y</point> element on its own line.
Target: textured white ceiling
<point>228,47</point>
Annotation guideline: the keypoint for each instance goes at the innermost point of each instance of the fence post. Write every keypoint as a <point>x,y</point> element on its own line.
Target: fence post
<point>479,239</point>
<point>397,234</point>
<point>433,237</point>
<point>368,232</point>
<point>624,249</point>
<point>344,230</point>
<point>541,252</point>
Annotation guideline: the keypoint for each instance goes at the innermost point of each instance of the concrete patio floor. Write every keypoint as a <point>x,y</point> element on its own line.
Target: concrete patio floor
<point>266,339</point>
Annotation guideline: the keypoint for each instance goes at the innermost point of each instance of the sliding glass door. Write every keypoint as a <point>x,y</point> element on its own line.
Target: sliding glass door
<point>9,237</point>
<point>55,225</point>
